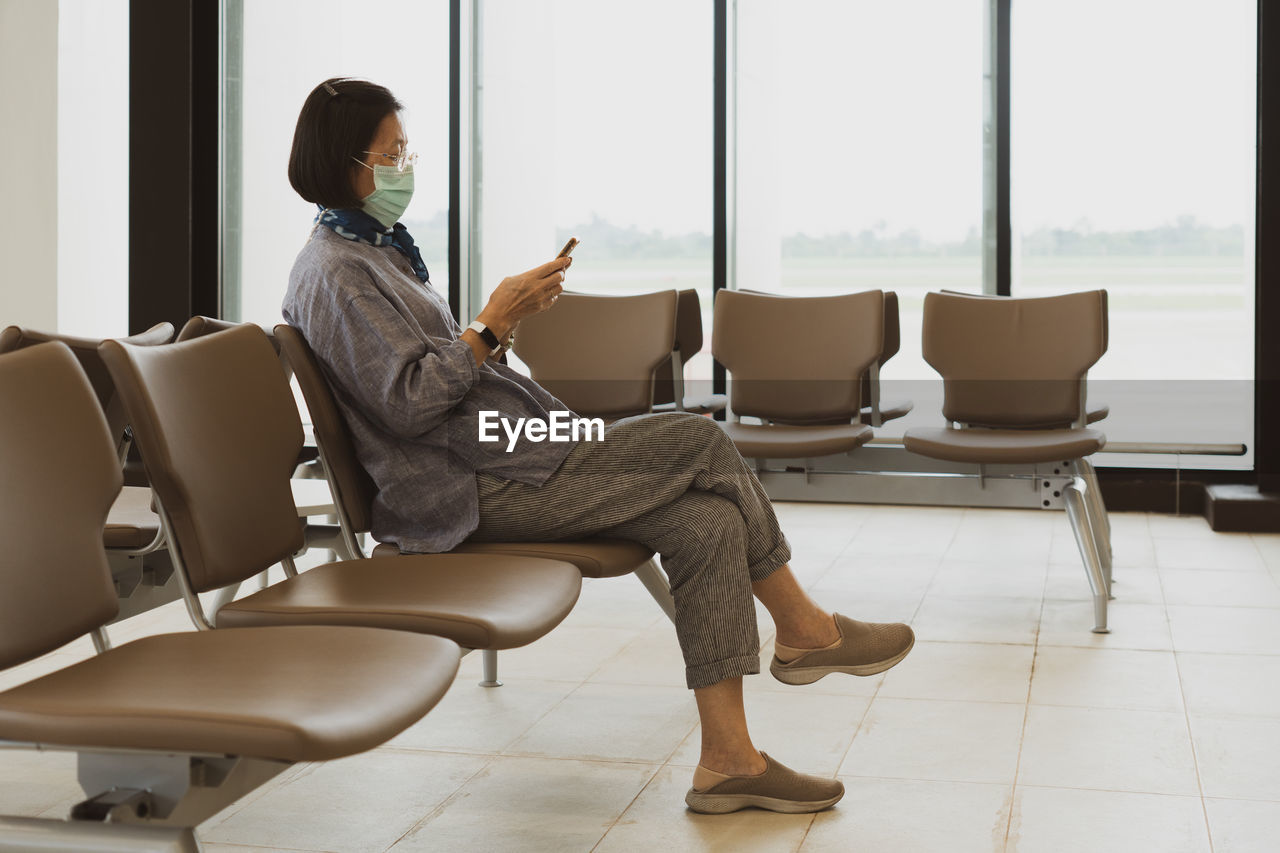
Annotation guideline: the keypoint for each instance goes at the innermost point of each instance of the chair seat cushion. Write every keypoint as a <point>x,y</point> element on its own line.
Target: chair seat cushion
<point>760,441</point>
<point>889,411</point>
<point>594,558</point>
<point>478,601</point>
<point>131,523</point>
<point>289,693</point>
<point>1001,446</point>
<point>710,404</point>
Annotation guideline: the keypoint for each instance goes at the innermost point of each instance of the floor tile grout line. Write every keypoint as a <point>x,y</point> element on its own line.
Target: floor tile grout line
<point>1026,715</point>
<point>804,836</point>
<point>876,692</point>
<point>425,819</point>
<point>1138,792</point>
<point>613,823</point>
<point>1186,712</point>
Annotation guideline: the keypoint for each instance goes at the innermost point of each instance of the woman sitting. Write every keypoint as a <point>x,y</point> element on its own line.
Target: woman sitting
<point>411,383</point>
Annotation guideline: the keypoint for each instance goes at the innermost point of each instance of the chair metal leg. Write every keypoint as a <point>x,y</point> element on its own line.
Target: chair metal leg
<point>655,580</point>
<point>489,662</point>
<point>1098,509</point>
<point>1078,513</point>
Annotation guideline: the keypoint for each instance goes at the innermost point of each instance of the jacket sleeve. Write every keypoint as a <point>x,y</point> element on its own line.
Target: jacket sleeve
<point>401,382</point>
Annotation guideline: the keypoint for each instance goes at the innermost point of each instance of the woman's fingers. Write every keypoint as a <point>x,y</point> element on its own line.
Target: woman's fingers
<point>556,265</point>
<point>555,278</point>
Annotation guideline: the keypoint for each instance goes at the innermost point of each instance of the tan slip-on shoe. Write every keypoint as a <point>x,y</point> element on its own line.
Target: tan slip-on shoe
<point>866,648</point>
<point>778,789</point>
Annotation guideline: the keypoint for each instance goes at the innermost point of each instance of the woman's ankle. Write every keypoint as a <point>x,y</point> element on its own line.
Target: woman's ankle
<point>816,633</point>
<point>731,763</point>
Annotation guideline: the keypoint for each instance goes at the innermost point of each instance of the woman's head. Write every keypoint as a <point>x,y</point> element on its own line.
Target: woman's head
<point>341,122</point>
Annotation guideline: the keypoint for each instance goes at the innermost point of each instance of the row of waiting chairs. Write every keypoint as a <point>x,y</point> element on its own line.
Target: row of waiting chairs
<point>171,729</point>
<point>616,356</point>
<point>806,369</point>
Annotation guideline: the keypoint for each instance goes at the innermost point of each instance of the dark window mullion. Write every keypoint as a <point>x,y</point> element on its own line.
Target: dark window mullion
<point>1267,255</point>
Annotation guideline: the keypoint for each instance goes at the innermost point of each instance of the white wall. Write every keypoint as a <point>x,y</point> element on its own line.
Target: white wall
<point>93,167</point>
<point>28,163</point>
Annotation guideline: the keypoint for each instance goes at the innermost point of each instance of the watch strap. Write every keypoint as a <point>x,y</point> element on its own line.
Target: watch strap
<point>486,334</point>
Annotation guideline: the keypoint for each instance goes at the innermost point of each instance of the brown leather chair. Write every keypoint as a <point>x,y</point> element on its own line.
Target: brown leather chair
<point>1014,376</point>
<point>1094,412</point>
<point>86,352</point>
<point>353,493</point>
<point>131,528</point>
<point>199,326</point>
<point>598,354</point>
<point>875,412</point>
<point>219,434</point>
<point>169,729</point>
<point>322,534</point>
<point>668,379</point>
<point>796,364</point>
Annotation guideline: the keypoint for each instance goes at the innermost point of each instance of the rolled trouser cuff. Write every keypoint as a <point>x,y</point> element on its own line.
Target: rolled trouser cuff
<point>707,674</point>
<point>776,559</point>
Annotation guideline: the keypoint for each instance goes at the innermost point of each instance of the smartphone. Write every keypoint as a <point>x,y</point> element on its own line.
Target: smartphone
<point>568,248</point>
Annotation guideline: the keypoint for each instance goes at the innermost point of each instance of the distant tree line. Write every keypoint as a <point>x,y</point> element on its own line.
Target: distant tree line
<point>1183,237</point>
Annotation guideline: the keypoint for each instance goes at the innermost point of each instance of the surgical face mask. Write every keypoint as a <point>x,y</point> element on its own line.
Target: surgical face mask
<point>393,189</point>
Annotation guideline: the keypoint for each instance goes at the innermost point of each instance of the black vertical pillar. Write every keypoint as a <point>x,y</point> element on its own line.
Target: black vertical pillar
<point>173,161</point>
<point>720,169</point>
<point>1004,230</point>
<point>1267,258</point>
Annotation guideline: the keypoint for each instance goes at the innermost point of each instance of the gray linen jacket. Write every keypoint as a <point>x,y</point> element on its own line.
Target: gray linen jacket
<point>411,391</point>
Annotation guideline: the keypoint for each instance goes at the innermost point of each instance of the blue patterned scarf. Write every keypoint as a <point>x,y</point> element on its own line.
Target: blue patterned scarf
<point>363,228</point>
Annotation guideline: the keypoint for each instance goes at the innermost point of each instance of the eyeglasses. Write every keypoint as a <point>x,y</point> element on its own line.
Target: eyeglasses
<point>402,161</point>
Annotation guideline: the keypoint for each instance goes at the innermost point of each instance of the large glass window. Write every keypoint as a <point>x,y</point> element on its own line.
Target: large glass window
<point>1133,169</point>
<point>858,151</point>
<point>596,121</point>
<point>277,52</point>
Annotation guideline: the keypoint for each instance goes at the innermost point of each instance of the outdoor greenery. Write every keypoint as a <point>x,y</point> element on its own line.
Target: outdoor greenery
<point>1183,237</point>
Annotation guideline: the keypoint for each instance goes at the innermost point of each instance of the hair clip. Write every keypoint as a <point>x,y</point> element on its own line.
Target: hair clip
<point>329,89</point>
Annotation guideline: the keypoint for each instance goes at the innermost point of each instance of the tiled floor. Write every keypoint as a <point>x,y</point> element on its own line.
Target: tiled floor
<point>1011,727</point>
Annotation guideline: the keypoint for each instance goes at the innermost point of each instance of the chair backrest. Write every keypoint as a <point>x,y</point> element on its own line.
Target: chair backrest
<point>1009,362</point>
<point>892,340</point>
<point>688,344</point>
<point>219,435</point>
<point>598,353</point>
<point>797,359</point>
<point>353,488</point>
<point>60,475</point>
<point>86,352</point>
<point>1106,312</point>
<point>199,326</point>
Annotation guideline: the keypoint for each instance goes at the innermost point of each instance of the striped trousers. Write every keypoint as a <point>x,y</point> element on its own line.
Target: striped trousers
<point>676,484</point>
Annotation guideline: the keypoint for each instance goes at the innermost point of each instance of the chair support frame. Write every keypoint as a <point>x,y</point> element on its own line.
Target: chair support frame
<point>138,800</point>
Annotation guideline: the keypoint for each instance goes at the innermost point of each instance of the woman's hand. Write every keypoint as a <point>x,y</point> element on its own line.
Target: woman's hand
<point>522,295</point>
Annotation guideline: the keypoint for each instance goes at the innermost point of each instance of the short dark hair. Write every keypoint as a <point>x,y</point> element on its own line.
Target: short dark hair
<point>338,121</point>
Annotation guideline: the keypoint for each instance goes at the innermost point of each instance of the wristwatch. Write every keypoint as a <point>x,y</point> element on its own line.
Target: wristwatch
<point>486,335</point>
